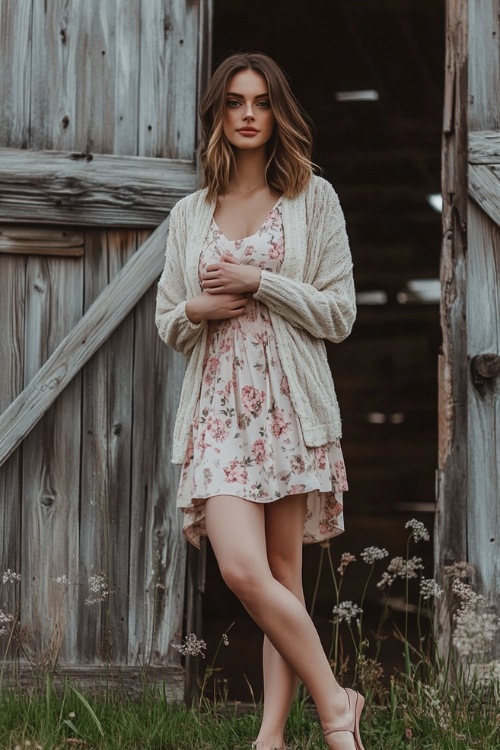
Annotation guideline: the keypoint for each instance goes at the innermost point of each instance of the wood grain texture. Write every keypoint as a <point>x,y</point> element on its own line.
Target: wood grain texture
<point>168,78</point>
<point>157,544</point>
<point>50,492</point>
<point>90,189</point>
<point>12,307</point>
<point>484,187</point>
<point>15,77</point>
<point>484,68</point>
<point>450,539</point>
<point>483,314</point>
<point>22,239</point>
<point>117,679</point>
<point>483,306</point>
<point>484,147</point>
<point>82,342</point>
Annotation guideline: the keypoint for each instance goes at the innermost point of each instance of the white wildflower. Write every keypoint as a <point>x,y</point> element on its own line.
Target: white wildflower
<point>191,646</point>
<point>372,554</point>
<point>346,611</point>
<point>429,587</point>
<point>9,576</point>
<point>459,569</point>
<point>345,560</point>
<point>62,579</point>
<point>469,599</point>
<point>98,585</point>
<point>400,568</point>
<point>419,531</point>
<point>5,619</point>
<point>225,639</point>
<point>474,632</point>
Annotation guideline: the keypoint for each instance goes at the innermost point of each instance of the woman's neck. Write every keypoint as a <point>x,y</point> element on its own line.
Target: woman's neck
<point>249,172</point>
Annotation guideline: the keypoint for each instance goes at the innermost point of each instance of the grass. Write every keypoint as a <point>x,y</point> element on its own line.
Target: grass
<point>413,717</point>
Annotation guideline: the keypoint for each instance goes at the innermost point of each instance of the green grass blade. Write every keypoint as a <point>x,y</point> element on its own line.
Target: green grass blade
<point>90,710</point>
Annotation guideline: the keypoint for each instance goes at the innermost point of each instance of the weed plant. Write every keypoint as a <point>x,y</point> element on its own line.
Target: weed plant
<point>442,699</point>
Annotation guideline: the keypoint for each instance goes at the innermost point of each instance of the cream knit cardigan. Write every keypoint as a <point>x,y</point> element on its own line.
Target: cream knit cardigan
<point>311,298</point>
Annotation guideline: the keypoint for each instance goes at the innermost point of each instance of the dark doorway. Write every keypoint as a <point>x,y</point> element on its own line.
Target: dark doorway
<point>380,148</point>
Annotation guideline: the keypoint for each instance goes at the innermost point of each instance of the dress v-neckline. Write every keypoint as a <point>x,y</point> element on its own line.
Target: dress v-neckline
<point>250,236</point>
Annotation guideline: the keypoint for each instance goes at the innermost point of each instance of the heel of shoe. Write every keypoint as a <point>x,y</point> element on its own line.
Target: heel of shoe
<point>358,700</point>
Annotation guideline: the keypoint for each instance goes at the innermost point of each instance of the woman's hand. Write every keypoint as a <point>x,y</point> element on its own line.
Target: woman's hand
<point>230,277</point>
<point>207,306</point>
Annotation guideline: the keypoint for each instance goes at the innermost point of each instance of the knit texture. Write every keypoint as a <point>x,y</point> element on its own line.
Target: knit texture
<point>311,299</point>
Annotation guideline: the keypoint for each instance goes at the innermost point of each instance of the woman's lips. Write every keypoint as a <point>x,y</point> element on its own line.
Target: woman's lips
<point>247,131</point>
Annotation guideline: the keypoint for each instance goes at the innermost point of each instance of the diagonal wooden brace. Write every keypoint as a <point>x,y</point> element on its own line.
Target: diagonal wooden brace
<point>101,319</point>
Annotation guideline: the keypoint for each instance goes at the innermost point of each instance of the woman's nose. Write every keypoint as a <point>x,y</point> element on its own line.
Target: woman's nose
<point>249,112</point>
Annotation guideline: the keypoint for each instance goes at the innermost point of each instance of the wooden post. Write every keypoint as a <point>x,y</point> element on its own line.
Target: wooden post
<point>450,533</point>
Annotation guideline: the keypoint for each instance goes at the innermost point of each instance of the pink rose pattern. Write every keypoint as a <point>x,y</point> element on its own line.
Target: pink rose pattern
<point>246,439</point>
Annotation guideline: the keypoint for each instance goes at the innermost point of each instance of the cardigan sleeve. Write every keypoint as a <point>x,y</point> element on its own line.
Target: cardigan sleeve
<point>174,327</point>
<point>325,307</point>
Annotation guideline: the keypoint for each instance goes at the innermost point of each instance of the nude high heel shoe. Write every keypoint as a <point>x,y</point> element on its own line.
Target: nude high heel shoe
<point>356,703</point>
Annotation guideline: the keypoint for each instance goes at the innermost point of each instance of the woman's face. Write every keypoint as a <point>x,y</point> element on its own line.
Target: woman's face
<point>248,117</point>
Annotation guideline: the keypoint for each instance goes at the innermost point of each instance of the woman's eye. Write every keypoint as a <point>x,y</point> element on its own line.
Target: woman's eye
<point>232,103</point>
<point>264,105</point>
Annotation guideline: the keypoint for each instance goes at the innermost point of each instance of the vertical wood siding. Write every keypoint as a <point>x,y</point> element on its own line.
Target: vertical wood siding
<point>483,312</point>
<point>93,480</point>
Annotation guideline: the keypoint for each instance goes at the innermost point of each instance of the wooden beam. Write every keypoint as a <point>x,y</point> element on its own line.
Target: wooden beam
<point>117,679</point>
<point>62,187</point>
<point>484,187</point>
<point>484,147</point>
<point>450,539</point>
<point>101,319</point>
<point>40,240</point>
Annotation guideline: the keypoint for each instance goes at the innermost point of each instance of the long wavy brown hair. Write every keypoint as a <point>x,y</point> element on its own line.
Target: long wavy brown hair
<point>289,167</point>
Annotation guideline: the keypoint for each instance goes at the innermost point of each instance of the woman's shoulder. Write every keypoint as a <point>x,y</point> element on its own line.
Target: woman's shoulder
<point>187,205</point>
<point>318,187</point>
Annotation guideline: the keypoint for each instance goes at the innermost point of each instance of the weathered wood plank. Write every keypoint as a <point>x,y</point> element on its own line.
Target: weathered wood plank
<point>107,378</point>
<point>51,470</point>
<point>484,147</point>
<point>484,68</point>
<point>157,546</point>
<point>168,80</point>
<point>107,408</point>
<point>87,336</point>
<point>121,680</point>
<point>22,239</point>
<point>483,314</point>
<point>94,632</point>
<point>450,541</point>
<point>484,187</point>
<point>15,69</point>
<point>90,189</point>
<point>12,302</point>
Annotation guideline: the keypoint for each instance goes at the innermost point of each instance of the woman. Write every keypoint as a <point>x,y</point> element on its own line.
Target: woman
<point>258,272</point>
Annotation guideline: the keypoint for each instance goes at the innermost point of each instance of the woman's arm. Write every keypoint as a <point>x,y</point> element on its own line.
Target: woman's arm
<point>174,326</point>
<point>325,307</point>
<point>180,322</point>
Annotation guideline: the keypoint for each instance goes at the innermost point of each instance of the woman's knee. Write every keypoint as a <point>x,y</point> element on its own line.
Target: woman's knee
<point>288,571</point>
<point>240,576</point>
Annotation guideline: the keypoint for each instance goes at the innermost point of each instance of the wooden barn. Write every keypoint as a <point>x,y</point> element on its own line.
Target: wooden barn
<point>98,135</point>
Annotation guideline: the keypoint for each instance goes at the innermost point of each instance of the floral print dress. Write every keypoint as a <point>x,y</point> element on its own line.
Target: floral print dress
<point>246,438</point>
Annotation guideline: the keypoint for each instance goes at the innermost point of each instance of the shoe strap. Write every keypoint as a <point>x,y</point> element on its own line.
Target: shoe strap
<point>338,729</point>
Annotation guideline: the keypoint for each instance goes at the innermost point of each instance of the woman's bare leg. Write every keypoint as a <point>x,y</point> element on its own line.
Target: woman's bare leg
<point>236,529</point>
<point>284,526</point>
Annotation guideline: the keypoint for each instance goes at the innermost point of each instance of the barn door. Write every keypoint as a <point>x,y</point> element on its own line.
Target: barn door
<point>469,471</point>
<point>97,142</point>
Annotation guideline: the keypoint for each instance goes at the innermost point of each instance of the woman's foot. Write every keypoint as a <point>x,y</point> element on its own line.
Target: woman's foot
<point>346,736</point>
<point>263,745</point>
